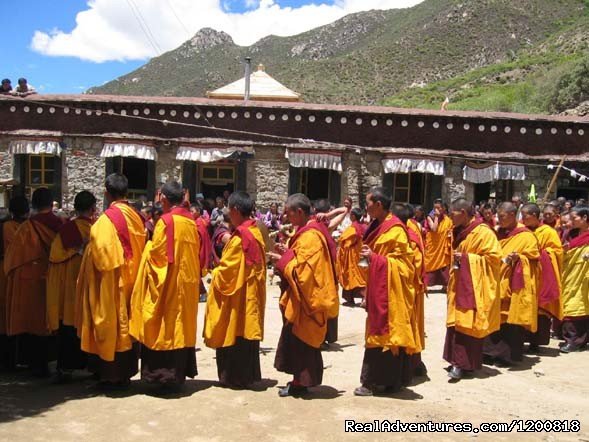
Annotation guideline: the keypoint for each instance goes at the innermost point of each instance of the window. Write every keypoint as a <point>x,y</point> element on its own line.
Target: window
<point>216,179</point>
<point>315,183</point>
<point>401,187</point>
<point>41,171</point>
<point>218,175</point>
<point>407,187</point>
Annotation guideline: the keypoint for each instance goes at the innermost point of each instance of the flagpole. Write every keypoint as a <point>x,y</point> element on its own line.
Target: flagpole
<point>553,181</point>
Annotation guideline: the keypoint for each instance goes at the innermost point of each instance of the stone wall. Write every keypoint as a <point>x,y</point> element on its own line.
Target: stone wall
<point>6,164</point>
<point>453,185</point>
<point>351,177</point>
<point>267,176</point>
<point>167,168</point>
<point>371,173</point>
<point>82,169</point>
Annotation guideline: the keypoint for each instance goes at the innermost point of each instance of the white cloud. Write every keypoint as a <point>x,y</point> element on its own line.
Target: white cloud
<point>139,29</point>
<point>251,3</point>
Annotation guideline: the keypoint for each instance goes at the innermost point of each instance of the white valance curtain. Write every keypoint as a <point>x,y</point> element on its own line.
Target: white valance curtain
<point>208,154</point>
<point>492,172</point>
<point>35,147</point>
<point>314,159</point>
<point>128,149</point>
<point>406,165</point>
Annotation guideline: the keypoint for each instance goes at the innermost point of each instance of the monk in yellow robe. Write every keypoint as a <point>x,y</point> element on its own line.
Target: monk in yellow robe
<point>309,296</point>
<point>416,367</point>
<point>351,276</point>
<point>206,246</point>
<point>103,294</point>
<point>551,216</point>
<point>518,288</point>
<point>575,284</point>
<point>473,290</point>
<point>165,297</point>
<point>65,259</point>
<point>414,226</point>
<point>549,281</point>
<point>19,212</point>
<point>390,299</point>
<point>234,320</point>
<point>438,246</point>
<point>330,219</point>
<point>25,263</point>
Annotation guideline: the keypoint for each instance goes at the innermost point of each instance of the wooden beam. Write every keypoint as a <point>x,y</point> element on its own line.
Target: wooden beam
<point>553,181</point>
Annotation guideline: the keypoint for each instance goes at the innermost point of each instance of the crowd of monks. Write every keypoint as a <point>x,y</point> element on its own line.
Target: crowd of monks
<point>94,293</point>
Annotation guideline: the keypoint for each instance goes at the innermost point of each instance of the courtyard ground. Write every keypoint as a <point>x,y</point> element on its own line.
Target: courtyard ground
<point>549,386</point>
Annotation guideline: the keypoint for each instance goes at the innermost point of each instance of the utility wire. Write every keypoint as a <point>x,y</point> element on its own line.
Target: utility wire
<point>152,42</point>
<point>219,130</point>
<point>147,26</point>
<point>178,18</point>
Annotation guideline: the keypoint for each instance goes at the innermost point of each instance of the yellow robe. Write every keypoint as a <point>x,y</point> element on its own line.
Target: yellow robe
<point>575,283</point>
<point>311,296</point>
<point>549,241</point>
<point>25,264</point>
<point>520,307</point>
<point>62,276</point>
<point>165,297</point>
<point>483,253</point>
<point>418,320</point>
<point>394,246</point>
<point>438,246</point>
<point>9,230</point>
<point>416,227</point>
<point>105,284</point>
<point>350,275</point>
<point>236,300</point>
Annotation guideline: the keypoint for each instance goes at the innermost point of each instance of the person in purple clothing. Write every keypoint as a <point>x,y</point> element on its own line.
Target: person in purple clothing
<point>272,218</point>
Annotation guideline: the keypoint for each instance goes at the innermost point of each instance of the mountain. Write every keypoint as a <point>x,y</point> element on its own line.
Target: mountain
<point>549,77</point>
<point>372,57</point>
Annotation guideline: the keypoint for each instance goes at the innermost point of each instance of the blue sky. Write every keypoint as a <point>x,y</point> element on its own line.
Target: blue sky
<point>49,74</point>
<point>59,51</point>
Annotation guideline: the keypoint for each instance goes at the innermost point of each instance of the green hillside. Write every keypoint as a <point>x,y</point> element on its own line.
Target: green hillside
<point>467,49</point>
<point>550,77</point>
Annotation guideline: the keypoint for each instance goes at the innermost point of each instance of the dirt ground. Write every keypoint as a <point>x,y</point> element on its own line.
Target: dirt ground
<point>547,387</point>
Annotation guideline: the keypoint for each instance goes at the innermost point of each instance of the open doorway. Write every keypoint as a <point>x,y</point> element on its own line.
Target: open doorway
<point>482,192</point>
<point>139,172</point>
<point>216,178</point>
<point>315,183</point>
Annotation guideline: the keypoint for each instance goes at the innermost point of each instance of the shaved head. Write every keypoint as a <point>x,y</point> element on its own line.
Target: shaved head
<point>507,207</point>
<point>507,213</point>
<point>463,204</point>
<point>532,209</point>
<point>299,201</point>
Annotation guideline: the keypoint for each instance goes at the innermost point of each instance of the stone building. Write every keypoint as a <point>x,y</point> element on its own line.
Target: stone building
<point>272,149</point>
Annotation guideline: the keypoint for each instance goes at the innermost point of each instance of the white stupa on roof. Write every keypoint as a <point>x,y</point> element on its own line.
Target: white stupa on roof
<point>262,87</point>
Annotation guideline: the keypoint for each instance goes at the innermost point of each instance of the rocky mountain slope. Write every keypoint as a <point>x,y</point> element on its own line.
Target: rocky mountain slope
<point>371,57</point>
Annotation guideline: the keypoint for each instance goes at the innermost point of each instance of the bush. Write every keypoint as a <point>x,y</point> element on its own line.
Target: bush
<point>572,88</point>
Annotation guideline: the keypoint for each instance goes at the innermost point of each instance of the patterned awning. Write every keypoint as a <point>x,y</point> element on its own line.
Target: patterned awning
<point>406,165</point>
<point>128,149</point>
<point>205,154</point>
<point>314,159</point>
<point>35,147</point>
<point>484,173</point>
